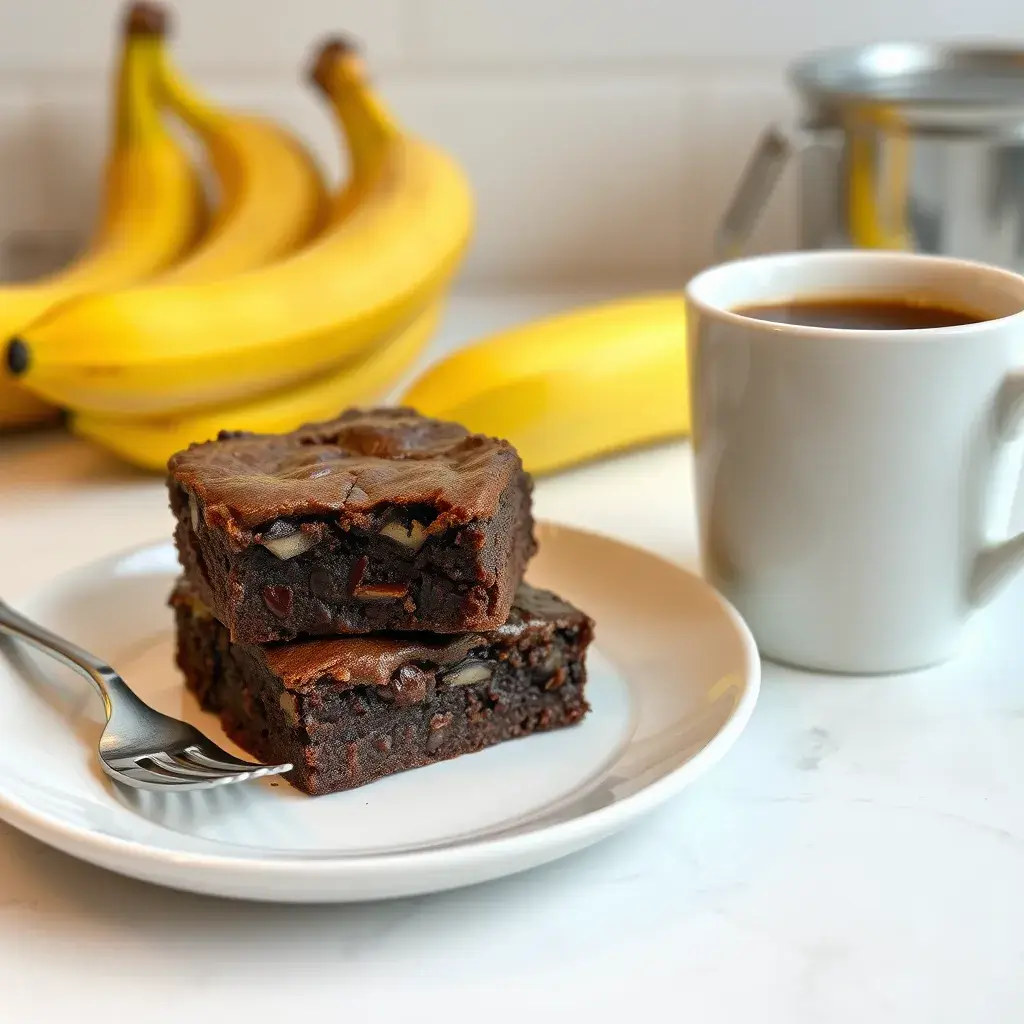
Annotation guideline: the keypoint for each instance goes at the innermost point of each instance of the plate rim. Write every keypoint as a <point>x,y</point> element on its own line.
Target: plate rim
<point>106,850</point>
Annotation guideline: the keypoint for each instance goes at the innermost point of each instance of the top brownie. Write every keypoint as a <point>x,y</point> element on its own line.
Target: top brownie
<point>381,519</point>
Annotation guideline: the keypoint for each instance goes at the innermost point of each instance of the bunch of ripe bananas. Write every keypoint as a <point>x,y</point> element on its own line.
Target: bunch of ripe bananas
<point>285,303</point>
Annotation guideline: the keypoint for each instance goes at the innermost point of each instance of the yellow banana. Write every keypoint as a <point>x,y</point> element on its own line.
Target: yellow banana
<point>152,203</point>
<point>573,387</point>
<point>273,196</point>
<point>20,409</point>
<point>150,443</point>
<point>158,350</point>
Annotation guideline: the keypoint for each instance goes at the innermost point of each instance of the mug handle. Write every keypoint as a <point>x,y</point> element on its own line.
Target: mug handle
<point>997,563</point>
<point>757,182</point>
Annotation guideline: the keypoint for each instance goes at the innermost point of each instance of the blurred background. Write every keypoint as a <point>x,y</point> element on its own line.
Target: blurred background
<point>603,137</point>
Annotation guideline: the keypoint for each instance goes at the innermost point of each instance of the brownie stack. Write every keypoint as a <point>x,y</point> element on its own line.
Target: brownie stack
<point>352,597</point>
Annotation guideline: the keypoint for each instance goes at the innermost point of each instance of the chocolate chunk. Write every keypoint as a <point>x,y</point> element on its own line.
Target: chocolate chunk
<point>322,586</point>
<point>279,600</point>
<point>411,685</point>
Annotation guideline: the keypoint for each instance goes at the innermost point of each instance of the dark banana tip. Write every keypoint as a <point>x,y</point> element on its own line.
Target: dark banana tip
<point>333,50</point>
<point>17,356</point>
<point>146,19</point>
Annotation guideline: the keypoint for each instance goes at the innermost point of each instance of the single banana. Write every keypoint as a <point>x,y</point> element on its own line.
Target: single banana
<point>159,350</point>
<point>152,204</point>
<point>20,409</point>
<point>366,378</point>
<point>573,387</point>
<point>273,196</point>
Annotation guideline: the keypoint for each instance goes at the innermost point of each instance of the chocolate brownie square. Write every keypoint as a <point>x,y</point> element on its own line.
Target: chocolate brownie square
<point>379,520</point>
<point>348,710</point>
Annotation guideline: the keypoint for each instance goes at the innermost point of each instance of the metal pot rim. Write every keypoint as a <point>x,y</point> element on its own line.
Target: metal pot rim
<point>943,83</point>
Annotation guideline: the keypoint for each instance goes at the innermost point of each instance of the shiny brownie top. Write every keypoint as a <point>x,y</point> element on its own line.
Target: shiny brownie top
<point>379,659</point>
<point>346,468</point>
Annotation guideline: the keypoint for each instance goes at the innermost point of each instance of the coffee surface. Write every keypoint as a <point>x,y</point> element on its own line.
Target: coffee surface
<point>861,314</point>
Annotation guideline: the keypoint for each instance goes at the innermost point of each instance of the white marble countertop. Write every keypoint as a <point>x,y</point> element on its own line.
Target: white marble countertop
<point>859,856</point>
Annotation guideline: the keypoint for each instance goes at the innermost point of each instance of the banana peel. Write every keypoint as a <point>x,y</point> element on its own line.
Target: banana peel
<point>161,351</point>
<point>20,409</point>
<point>570,388</point>
<point>152,210</point>
<point>149,443</point>
<point>565,390</point>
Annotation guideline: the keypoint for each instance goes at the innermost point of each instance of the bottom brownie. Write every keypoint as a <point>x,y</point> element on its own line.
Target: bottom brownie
<point>348,710</point>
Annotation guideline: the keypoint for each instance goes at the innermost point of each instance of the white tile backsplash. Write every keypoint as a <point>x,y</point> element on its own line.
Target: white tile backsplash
<point>573,179</point>
<point>603,137</point>
<point>59,36</point>
<point>53,37</point>
<point>477,32</point>
<point>257,35</point>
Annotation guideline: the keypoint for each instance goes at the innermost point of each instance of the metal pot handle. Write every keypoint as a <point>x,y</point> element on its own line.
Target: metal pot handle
<point>773,150</point>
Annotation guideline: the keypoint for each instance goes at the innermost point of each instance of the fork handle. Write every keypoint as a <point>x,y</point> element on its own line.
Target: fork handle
<point>108,683</point>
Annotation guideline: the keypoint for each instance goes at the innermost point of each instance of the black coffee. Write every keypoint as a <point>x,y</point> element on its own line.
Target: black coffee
<point>862,314</point>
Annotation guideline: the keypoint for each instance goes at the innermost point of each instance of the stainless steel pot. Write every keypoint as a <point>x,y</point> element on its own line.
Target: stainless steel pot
<point>899,145</point>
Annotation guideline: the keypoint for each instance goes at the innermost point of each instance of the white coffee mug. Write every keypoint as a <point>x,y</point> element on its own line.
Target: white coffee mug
<point>854,486</point>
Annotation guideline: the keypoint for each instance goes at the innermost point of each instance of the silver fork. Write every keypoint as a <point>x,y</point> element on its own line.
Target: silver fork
<point>140,746</point>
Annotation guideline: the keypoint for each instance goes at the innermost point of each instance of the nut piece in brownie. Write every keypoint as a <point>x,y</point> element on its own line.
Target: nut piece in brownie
<point>348,710</point>
<point>379,520</point>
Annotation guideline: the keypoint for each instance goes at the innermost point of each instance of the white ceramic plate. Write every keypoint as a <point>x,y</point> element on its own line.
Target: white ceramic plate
<point>674,675</point>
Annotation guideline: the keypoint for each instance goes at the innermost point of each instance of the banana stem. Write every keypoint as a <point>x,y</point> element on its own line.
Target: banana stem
<point>339,73</point>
